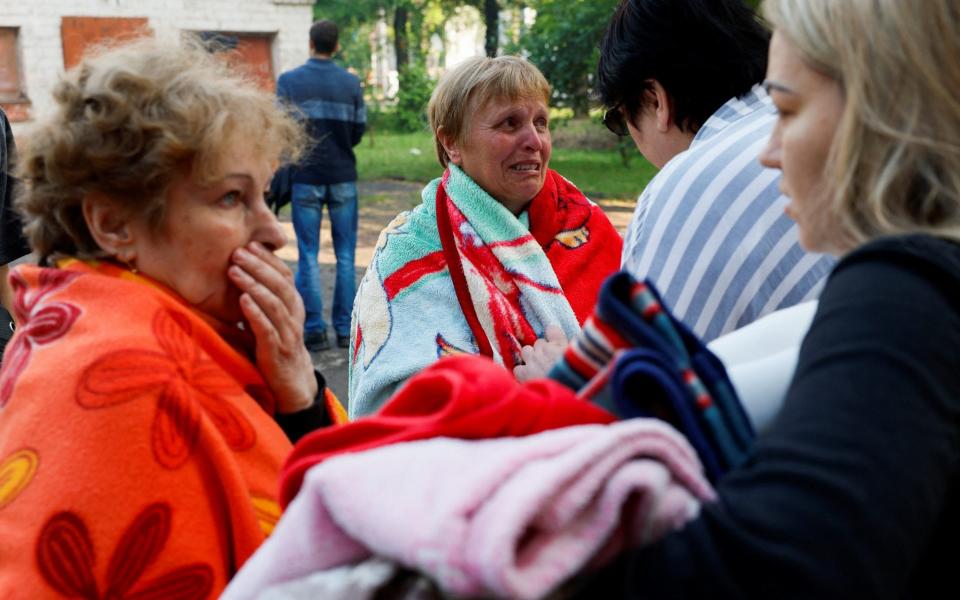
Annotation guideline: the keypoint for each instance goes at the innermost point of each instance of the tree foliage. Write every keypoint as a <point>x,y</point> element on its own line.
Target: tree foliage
<point>411,22</point>
<point>491,12</point>
<point>415,89</point>
<point>353,21</point>
<point>563,40</point>
<point>564,44</point>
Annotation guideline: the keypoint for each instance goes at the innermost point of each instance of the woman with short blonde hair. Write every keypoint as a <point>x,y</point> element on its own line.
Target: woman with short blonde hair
<point>475,82</point>
<point>501,248</point>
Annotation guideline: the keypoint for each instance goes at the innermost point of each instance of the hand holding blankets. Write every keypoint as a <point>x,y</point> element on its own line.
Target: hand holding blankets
<point>462,274</point>
<point>511,517</point>
<point>635,359</point>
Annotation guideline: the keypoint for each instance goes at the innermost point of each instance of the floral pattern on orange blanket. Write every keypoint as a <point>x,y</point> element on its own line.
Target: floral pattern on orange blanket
<point>139,455</point>
<point>182,383</point>
<point>66,557</point>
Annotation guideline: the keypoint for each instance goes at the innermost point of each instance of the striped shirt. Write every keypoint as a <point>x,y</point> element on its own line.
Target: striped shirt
<point>710,232</point>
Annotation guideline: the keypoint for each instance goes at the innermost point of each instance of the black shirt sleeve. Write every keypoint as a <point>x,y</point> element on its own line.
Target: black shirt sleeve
<point>850,490</point>
<point>12,243</point>
<point>298,424</point>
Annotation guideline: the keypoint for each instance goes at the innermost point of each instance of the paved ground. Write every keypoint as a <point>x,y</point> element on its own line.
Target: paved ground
<point>380,201</point>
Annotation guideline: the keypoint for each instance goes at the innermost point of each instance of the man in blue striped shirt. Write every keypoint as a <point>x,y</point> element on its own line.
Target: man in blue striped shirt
<point>331,101</point>
<point>681,79</point>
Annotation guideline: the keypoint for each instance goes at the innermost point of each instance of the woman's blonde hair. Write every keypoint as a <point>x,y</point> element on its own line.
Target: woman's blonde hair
<point>469,86</point>
<point>130,119</point>
<point>895,158</point>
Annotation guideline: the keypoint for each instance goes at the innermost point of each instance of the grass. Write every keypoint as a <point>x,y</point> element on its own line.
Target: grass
<point>599,173</point>
<point>409,156</point>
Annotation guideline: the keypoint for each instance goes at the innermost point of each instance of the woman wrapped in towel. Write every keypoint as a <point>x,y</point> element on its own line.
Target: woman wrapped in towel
<point>501,246</point>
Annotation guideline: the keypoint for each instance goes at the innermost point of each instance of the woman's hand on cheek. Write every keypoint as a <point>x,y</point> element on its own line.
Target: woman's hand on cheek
<point>275,314</point>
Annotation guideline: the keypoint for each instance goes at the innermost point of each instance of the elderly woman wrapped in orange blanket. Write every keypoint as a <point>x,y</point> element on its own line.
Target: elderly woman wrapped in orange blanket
<point>160,345</point>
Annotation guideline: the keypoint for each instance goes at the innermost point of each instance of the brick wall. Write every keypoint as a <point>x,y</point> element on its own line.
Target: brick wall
<point>41,48</point>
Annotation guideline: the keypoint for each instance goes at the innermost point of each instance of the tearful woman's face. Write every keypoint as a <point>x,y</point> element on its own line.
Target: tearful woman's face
<point>506,149</point>
<point>810,105</point>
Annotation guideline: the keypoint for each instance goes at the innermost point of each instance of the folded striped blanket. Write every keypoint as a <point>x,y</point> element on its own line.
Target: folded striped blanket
<point>636,360</point>
<point>462,274</point>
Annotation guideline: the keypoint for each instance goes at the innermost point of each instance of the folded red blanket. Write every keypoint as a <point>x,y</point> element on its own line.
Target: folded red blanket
<point>468,397</point>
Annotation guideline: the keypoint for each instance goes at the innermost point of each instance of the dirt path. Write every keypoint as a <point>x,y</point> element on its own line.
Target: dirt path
<point>380,201</point>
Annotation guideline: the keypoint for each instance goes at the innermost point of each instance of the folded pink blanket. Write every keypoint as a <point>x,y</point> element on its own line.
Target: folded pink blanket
<point>510,517</point>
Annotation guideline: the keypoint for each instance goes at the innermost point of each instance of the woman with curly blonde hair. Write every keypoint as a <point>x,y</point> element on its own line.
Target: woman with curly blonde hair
<point>159,344</point>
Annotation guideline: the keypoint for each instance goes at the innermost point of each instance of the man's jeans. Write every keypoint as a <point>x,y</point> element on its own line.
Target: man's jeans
<point>308,201</point>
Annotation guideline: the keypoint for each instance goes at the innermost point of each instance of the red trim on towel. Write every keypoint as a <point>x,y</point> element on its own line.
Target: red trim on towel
<point>411,272</point>
<point>456,270</point>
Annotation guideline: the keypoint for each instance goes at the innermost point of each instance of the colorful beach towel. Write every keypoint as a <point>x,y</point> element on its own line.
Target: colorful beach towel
<point>138,455</point>
<point>462,274</point>
<point>635,359</point>
<point>505,518</point>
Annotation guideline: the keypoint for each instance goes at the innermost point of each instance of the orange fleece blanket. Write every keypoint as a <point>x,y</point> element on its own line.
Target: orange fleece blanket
<point>138,453</point>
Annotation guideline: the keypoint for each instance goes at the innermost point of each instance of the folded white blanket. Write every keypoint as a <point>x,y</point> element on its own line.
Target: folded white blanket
<point>761,358</point>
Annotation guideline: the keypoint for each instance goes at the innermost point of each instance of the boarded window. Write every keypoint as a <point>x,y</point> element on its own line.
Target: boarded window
<point>13,99</point>
<point>9,66</point>
<point>251,52</point>
<point>81,33</point>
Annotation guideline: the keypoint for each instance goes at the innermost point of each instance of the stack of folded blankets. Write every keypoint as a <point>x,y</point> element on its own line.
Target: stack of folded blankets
<point>635,359</point>
<point>484,486</point>
<point>468,483</point>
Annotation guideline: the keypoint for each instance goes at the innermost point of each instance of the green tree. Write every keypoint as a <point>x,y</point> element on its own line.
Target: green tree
<point>412,22</point>
<point>491,18</point>
<point>564,43</point>
<point>490,9</point>
<point>415,89</point>
<point>355,27</point>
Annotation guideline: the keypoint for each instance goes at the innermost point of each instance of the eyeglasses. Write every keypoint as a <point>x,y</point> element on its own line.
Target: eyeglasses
<point>615,121</point>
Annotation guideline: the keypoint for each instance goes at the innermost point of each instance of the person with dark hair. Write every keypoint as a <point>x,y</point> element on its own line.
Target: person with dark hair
<point>331,101</point>
<point>324,37</point>
<point>681,78</point>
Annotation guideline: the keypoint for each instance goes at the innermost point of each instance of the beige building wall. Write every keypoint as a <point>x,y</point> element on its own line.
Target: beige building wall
<point>38,28</point>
